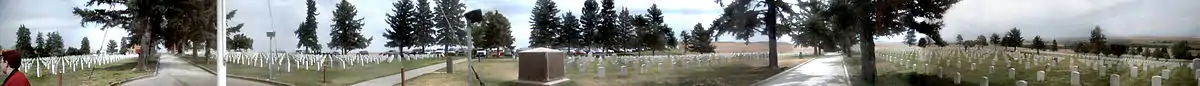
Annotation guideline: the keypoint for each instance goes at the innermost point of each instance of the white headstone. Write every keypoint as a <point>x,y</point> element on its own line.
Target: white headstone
<point>1133,73</point>
<point>1041,76</point>
<point>600,72</point>
<point>1156,81</point>
<point>957,78</point>
<point>1012,73</point>
<point>1196,63</point>
<point>1166,74</point>
<point>972,66</point>
<point>1022,83</point>
<point>1075,78</point>
<point>991,69</point>
<point>985,81</point>
<point>1114,80</point>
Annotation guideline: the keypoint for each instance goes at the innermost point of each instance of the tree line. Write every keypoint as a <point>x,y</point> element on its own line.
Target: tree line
<point>1097,43</point>
<point>601,27</point>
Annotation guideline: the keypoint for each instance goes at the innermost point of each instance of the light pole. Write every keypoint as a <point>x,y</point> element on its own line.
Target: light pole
<point>271,67</point>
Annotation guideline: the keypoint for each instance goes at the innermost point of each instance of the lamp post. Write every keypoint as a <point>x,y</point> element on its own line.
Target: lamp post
<point>271,67</point>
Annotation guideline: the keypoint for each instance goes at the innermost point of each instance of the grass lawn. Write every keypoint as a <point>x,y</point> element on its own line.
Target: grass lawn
<point>102,75</point>
<point>891,73</point>
<point>501,72</point>
<point>337,76</point>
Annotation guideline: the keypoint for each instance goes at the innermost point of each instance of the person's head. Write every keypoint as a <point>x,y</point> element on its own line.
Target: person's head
<point>12,59</point>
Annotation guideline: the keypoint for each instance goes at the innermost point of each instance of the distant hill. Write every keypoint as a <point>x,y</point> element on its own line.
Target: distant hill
<point>1142,40</point>
<point>732,47</point>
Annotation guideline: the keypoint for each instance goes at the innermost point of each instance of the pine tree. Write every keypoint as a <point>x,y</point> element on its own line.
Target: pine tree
<point>1012,38</point>
<point>112,46</point>
<point>1097,40</point>
<point>497,33</point>
<point>571,34</point>
<point>402,23</point>
<point>23,43</point>
<point>922,42</point>
<point>590,24</point>
<point>910,38</point>
<point>959,39</point>
<point>307,32</point>
<point>42,46</point>
<point>996,40</point>
<point>608,31</point>
<point>544,24</point>
<point>1038,44</point>
<point>701,40</point>
<point>424,34</point>
<point>657,22</point>
<point>1053,45</point>
<point>1179,50</point>
<point>85,46</point>
<point>238,41</point>
<point>345,34</point>
<point>450,24</point>
<point>981,40</point>
<point>56,47</point>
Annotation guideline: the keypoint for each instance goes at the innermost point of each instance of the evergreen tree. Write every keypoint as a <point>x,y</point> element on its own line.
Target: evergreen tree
<point>910,38</point>
<point>626,24</point>
<point>42,46</point>
<point>1097,40</point>
<point>56,47</point>
<point>402,23</point>
<point>112,46</point>
<point>922,42</point>
<point>496,33</point>
<point>701,40</point>
<point>424,33</point>
<point>544,24</point>
<point>307,32</point>
<point>23,43</point>
<point>996,40</point>
<point>1179,50</point>
<point>571,34</point>
<point>237,40</point>
<point>590,24</point>
<point>657,22</point>
<point>1053,45</point>
<point>607,31</point>
<point>981,40</point>
<point>1038,44</point>
<point>959,39</point>
<point>1013,38</point>
<point>85,46</point>
<point>345,35</point>
<point>450,23</point>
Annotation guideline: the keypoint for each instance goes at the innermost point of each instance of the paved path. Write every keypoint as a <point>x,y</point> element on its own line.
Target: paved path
<point>395,79</point>
<point>173,71</point>
<point>822,71</point>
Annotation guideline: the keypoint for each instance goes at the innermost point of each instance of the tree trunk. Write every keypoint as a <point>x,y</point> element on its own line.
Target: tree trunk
<point>867,47</point>
<point>449,61</point>
<point>773,51</point>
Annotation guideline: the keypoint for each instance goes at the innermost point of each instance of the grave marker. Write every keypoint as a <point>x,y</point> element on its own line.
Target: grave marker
<point>1075,78</point>
<point>1114,80</point>
<point>1156,81</point>
<point>957,78</point>
<point>1012,73</point>
<point>1133,72</point>
<point>985,81</point>
<point>1041,76</point>
<point>1022,83</point>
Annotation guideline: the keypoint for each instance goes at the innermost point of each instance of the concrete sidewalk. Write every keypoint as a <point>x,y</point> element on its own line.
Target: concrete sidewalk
<point>173,71</point>
<point>821,71</point>
<point>395,79</point>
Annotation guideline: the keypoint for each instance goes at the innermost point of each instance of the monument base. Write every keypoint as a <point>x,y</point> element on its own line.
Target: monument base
<point>540,83</point>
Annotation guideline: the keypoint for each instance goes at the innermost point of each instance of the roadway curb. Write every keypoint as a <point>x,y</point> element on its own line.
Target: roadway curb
<point>759,83</point>
<point>276,83</point>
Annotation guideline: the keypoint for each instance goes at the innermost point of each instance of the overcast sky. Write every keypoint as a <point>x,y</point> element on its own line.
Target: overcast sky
<point>1047,18</point>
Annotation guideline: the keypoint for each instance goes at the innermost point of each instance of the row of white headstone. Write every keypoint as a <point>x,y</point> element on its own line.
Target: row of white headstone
<point>654,63</point>
<point>67,64</point>
<point>903,56</point>
<point>315,61</point>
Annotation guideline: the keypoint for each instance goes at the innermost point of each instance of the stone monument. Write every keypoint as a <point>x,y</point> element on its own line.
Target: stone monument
<point>540,67</point>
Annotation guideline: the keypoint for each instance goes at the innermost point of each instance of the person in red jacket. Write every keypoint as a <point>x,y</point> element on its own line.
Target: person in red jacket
<point>9,65</point>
